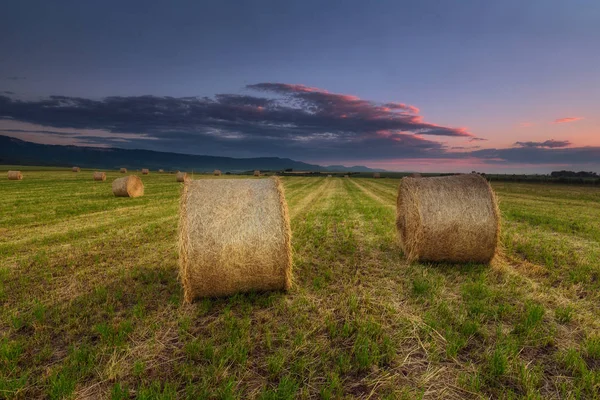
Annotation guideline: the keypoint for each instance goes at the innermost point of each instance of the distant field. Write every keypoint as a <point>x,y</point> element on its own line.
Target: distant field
<point>91,305</point>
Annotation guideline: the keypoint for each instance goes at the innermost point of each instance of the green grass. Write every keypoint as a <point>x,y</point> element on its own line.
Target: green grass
<point>91,305</point>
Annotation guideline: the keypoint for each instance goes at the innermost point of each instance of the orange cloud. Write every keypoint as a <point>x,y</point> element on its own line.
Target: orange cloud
<point>567,119</point>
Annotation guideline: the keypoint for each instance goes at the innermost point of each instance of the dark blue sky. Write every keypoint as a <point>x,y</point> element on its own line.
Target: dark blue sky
<point>501,71</point>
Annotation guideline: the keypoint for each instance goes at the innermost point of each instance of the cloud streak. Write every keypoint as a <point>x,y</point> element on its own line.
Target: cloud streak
<point>550,144</point>
<point>566,120</point>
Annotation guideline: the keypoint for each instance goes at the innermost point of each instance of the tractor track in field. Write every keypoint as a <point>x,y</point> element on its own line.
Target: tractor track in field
<point>307,201</point>
<point>372,195</point>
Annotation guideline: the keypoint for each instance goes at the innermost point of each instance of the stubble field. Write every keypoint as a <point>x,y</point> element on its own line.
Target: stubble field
<point>92,306</point>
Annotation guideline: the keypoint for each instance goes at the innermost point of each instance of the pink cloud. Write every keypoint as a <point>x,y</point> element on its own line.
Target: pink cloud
<point>567,119</point>
<point>526,124</point>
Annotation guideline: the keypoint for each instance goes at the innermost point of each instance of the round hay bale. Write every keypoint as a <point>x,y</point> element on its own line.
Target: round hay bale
<point>145,171</point>
<point>128,186</point>
<point>217,172</point>
<point>234,236</point>
<point>346,176</point>
<point>15,175</point>
<point>450,218</point>
<point>161,170</point>
<point>377,175</point>
<point>123,170</point>
<point>181,176</point>
<point>256,173</point>
<point>329,176</point>
<point>99,176</point>
<point>76,169</point>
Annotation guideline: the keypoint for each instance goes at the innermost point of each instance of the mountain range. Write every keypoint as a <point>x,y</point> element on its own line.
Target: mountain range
<point>19,152</point>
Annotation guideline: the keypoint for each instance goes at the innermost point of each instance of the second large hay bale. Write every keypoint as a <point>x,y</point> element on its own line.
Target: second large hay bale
<point>451,218</point>
<point>128,186</point>
<point>234,236</point>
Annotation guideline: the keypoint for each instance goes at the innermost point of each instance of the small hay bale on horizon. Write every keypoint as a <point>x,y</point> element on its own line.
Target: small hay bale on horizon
<point>181,176</point>
<point>346,176</point>
<point>329,176</point>
<point>15,175</point>
<point>256,172</point>
<point>99,176</point>
<point>234,236</point>
<point>161,170</point>
<point>145,171</point>
<point>128,186</point>
<point>447,219</point>
<point>377,175</point>
<point>76,169</point>
<point>123,170</point>
<point>217,172</point>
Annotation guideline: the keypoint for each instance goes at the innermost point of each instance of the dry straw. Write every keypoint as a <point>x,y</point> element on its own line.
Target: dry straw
<point>145,171</point>
<point>123,170</point>
<point>451,218</point>
<point>377,175</point>
<point>128,186</point>
<point>99,176</point>
<point>234,236</point>
<point>181,176</point>
<point>76,169</point>
<point>256,172</point>
<point>217,172</point>
<point>15,175</point>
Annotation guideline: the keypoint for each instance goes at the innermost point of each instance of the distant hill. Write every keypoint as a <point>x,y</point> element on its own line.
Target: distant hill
<point>18,152</point>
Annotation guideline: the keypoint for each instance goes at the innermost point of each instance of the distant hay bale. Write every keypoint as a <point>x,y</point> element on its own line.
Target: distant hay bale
<point>450,218</point>
<point>76,169</point>
<point>256,172</point>
<point>377,175</point>
<point>329,176</point>
<point>181,176</point>
<point>145,171</point>
<point>234,236</point>
<point>123,170</point>
<point>15,175</point>
<point>161,170</point>
<point>346,176</point>
<point>128,186</point>
<point>99,176</point>
<point>217,172</point>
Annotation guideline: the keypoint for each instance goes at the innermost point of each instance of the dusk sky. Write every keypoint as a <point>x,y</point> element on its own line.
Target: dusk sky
<point>506,86</point>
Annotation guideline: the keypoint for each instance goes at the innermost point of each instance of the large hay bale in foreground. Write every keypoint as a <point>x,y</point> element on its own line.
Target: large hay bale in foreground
<point>145,171</point>
<point>123,170</point>
<point>234,236</point>
<point>181,176</point>
<point>256,172</point>
<point>377,175</point>
<point>99,176</point>
<point>76,169</point>
<point>15,175</point>
<point>450,218</point>
<point>128,186</point>
<point>217,172</point>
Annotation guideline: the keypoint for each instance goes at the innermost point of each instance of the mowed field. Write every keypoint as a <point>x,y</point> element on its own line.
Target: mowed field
<point>92,306</point>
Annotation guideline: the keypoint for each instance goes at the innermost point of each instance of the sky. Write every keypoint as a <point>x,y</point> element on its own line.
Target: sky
<point>445,86</point>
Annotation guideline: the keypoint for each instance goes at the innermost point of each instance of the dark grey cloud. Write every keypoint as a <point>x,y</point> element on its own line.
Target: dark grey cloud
<point>16,78</point>
<point>291,120</point>
<point>550,144</point>
<point>8,92</point>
